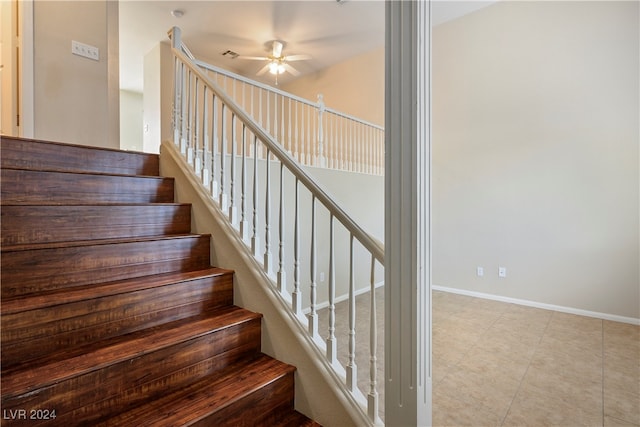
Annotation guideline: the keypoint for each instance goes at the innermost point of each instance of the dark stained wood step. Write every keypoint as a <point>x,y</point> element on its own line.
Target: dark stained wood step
<point>23,153</point>
<point>42,187</point>
<point>28,270</point>
<point>296,419</point>
<point>126,371</point>
<point>27,224</point>
<point>251,393</point>
<point>35,326</point>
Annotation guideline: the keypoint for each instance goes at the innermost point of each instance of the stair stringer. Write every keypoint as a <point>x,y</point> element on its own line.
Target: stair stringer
<point>320,392</point>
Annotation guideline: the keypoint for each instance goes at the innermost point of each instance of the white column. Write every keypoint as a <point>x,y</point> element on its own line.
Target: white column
<point>408,376</point>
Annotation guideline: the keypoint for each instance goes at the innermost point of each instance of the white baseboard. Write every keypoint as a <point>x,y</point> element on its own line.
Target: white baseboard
<point>562,309</point>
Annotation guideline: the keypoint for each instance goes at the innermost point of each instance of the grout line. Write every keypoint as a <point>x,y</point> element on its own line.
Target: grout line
<point>527,370</point>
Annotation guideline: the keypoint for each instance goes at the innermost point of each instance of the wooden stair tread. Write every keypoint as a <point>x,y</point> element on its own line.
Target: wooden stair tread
<point>55,368</point>
<point>95,242</point>
<point>30,153</point>
<point>190,404</point>
<point>83,172</point>
<point>296,419</point>
<point>65,296</point>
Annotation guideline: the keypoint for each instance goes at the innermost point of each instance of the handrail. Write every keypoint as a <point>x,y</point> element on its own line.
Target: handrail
<point>214,132</point>
<point>244,79</point>
<point>369,242</point>
<point>323,137</point>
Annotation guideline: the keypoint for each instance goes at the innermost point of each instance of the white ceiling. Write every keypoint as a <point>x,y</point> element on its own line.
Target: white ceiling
<point>327,30</point>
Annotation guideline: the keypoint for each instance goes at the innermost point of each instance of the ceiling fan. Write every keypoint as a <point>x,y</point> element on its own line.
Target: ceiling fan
<point>277,63</point>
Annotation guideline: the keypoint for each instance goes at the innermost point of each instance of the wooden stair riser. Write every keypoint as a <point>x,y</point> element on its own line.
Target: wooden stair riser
<point>29,224</point>
<point>130,382</point>
<point>27,335</point>
<point>21,153</point>
<point>37,270</point>
<point>37,187</point>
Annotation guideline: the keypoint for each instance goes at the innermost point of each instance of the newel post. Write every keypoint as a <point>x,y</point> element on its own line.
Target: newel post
<point>408,378</point>
<point>321,107</point>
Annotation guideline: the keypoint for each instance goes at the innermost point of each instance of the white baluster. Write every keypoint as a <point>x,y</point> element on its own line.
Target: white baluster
<point>254,238</point>
<point>233,210</point>
<point>283,142</point>
<point>244,224</point>
<point>185,113</point>
<point>352,368</point>
<point>289,130</point>
<point>190,126</point>
<point>206,176</point>
<point>332,344</point>
<point>267,217</point>
<point>177,83</point>
<point>223,154</point>
<point>214,150</point>
<point>321,159</point>
<point>282,285</point>
<point>372,398</point>
<point>313,315</point>
<point>296,153</point>
<point>196,133</point>
<point>296,297</point>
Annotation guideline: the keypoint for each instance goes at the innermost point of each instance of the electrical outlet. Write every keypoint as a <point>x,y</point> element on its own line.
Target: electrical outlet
<point>322,277</point>
<point>502,271</point>
<point>479,271</point>
<point>85,50</point>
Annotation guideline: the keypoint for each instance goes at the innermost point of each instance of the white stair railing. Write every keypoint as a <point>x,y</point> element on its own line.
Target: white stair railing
<point>312,133</point>
<point>253,178</point>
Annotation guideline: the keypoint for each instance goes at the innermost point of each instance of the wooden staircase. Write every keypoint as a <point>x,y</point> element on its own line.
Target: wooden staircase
<point>111,312</point>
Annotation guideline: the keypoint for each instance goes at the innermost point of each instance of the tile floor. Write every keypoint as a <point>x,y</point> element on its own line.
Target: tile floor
<point>501,364</point>
<point>497,363</point>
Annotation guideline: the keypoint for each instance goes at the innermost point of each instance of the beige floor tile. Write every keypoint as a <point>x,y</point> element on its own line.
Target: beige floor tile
<point>555,357</point>
<point>580,392</point>
<point>574,340</point>
<point>624,331</point>
<point>482,362</point>
<point>621,374</point>
<point>452,412</point>
<point>482,318</point>
<point>622,405</point>
<point>537,315</point>
<point>573,322</point>
<point>536,407</point>
<point>614,422</point>
<point>508,344</point>
<point>484,389</point>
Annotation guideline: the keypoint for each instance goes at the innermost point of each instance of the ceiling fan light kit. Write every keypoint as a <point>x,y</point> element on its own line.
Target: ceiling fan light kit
<point>277,62</point>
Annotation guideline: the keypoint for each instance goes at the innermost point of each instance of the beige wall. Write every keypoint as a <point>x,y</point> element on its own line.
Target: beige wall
<point>535,153</point>
<point>131,128</point>
<point>355,86</point>
<point>76,99</point>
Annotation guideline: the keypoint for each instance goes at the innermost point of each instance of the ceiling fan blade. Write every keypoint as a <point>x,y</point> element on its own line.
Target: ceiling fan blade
<point>255,58</point>
<point>263,70</point>
<point>291,70</point>
<point>297,57</point>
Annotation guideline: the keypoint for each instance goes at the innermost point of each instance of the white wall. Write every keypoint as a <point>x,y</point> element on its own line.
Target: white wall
<point>75,98</point>
<point>157,97</point>
<point>131,126</point>
<point>535,153</point>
